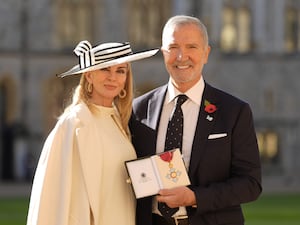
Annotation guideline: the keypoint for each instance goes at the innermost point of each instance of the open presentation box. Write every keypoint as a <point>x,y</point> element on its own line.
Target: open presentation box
<point>150,174</point>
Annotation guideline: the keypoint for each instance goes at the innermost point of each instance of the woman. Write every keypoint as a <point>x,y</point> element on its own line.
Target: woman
<point>81,178</point>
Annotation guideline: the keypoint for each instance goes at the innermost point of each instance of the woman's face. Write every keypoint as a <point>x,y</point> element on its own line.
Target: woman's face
<point>107,83</point>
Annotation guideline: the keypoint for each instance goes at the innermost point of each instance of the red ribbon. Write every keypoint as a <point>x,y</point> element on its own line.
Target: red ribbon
<point>166,156</point>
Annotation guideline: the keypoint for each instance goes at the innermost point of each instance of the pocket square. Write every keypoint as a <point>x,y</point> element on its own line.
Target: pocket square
<point>215,136</point>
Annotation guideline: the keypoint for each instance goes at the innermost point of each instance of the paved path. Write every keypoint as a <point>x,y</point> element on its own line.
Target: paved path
<point>15,189</point>
<point>270,185</point>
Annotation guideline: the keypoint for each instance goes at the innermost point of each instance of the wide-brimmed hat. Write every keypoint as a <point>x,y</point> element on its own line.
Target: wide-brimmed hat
<point>104,55</point>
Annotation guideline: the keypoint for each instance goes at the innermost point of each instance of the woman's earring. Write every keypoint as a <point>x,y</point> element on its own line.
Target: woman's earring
<point>122,93</point>
<point>90,88</point>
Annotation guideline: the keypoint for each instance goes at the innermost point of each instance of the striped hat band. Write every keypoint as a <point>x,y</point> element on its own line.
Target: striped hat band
<point>89,56</point>
<point>104,55</point>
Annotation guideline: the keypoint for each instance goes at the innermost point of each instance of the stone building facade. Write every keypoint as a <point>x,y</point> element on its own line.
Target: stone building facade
<point>255,55</point>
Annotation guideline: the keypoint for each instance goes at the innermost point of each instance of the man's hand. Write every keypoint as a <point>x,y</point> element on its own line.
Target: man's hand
<point>176,197</point>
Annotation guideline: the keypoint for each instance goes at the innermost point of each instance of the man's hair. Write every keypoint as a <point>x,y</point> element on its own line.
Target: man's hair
<point>184,20</point>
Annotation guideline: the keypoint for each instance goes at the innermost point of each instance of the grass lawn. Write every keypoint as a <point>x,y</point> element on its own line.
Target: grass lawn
<point>13,211</point>
<point>274,209</point>
<point>269,209</point>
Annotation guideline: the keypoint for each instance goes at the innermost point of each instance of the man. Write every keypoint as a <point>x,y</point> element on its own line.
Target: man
<point>219,144</point>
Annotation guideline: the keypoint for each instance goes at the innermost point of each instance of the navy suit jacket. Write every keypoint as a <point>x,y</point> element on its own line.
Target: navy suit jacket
<point>224,172</point>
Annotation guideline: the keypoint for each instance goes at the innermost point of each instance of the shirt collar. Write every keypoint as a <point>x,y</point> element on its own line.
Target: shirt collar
<point>194,93</point>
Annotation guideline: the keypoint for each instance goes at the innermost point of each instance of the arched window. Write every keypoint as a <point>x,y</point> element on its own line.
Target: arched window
<point>229,31</point>
<point>57,94</point>
<point>146,20</point>
<point>74,21</point>
<point>236,29</point>
<point>268,143</point>
<point>8,112</point>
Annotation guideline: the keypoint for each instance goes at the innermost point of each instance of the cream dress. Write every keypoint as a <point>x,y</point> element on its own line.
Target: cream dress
<point>116,196</point>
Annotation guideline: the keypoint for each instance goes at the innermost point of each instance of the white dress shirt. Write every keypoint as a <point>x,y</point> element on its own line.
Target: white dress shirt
<point>190,110</point>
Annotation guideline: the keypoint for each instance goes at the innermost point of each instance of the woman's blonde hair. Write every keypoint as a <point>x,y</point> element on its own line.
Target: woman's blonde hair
<point>123,105</point>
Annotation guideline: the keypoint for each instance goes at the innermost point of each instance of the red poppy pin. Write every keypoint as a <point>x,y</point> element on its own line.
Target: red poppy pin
<point>209,108</point>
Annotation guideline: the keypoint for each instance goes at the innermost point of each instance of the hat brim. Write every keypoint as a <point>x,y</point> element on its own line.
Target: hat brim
<point>135,56</point>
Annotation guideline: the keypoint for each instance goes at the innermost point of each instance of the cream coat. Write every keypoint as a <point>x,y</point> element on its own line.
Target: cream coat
<point>69,149</point>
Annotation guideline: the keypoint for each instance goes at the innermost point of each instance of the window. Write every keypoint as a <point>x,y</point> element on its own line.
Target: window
<point>7,126</point>
<point>57,95</point>
<point>8,98</point>
<point>146,20</point>
<point>2,105</point>
<point>268,146</point>
<point>229,32</point>
<point>74,21</point>
<point>236,29</point>
<point>292,29</point>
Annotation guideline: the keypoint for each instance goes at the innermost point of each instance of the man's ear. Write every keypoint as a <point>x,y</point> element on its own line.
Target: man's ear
<point>207,51</point>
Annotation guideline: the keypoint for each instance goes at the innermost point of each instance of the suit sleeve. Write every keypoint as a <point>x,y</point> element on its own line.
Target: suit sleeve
<point>243,183</point>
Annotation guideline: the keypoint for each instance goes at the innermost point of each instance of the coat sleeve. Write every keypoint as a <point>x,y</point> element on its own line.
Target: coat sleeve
<point>51,190</point>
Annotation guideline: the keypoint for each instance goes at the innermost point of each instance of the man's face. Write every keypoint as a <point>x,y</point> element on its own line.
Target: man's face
<point>185,54</point>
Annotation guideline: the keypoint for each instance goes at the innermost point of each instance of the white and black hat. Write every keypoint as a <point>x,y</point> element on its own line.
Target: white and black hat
<point>104,55</point>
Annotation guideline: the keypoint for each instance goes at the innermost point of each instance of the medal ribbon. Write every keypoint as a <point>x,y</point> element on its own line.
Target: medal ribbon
<point>166,156</point>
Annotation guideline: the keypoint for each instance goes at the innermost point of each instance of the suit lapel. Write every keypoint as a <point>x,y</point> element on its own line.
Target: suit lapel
<point>155,108</point>
<point>203,128</point>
